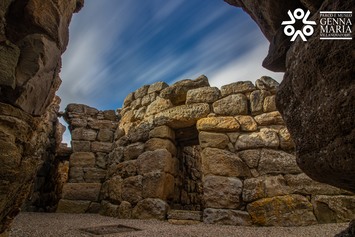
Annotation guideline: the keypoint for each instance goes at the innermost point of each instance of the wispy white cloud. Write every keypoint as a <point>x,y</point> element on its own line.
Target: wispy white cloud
<point>245,68</point>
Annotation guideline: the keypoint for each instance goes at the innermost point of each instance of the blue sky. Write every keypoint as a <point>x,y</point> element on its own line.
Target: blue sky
<point>117,46</point>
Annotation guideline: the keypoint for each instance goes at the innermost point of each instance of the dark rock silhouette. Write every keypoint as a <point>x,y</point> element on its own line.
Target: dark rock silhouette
<point>317,95</point>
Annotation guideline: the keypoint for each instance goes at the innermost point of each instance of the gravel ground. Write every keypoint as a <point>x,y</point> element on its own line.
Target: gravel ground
<point>58,224</point>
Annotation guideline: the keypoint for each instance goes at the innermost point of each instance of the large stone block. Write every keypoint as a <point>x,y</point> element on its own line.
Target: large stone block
<point>263,187</point>
<point>101,147</point>
<point>126,168</point>
<point>150,208</point>
<point>237,87</point>
<point>269,104</point>
<point>250,157</point>
<point>214,140</point>
<point>158,105</point>
<point>223,106</point>
<point>223,163</point>
<point>257,101</point>
<point>155,161</point>
<point>182,116</point>
<point>141,92</point>
<point>330,209</point>
<point>38,68</point>
<point>158,143</point>
<point>105,135</point>
<point>226,217</point>
<point>112,189</point>
<point>82,159</point>
<point>272,118</point>
<point>72,206</point>
<point>290,210</point>
<point>277,162</point>
<point>266,138</point>
<point>247,123</point>
<point>158,185</point>
<point>222,192</point>
<point>176,93</point>
<point>157,87</point>
<point>132,189</point>
<point>125,210</point>
<point>82,191</point>
<point>164,132</point>
<point>109,209</point>
<point>81,146</point>
<point>203,95</point>
<point>218,124</point>
<point>84,134</point>
<point>132,151</point>
<point>94,175</point>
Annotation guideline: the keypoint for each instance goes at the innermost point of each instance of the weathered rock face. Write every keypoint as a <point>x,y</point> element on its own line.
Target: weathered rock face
<point>236,166</point>
<point>317,95</point>
<point>92,139</point>
<point>33,35</point>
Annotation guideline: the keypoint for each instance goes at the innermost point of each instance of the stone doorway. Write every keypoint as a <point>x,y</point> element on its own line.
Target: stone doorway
<point>188,182</point>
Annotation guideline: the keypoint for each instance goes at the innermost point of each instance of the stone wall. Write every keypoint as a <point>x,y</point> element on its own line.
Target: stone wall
<point>92,134</point>
<point>249,170</point>
<point>33,35</point>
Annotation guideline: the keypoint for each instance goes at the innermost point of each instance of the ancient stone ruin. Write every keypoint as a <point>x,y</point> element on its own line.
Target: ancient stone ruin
<point>183,153</point>
<point>185,150</point>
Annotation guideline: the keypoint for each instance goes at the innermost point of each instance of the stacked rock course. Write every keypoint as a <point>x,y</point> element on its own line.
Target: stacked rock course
<point>223,153</point>
<point>92,139</point>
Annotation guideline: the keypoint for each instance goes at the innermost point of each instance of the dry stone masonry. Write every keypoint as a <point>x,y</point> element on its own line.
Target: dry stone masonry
<point>190,153</point>
<point>92,139</point>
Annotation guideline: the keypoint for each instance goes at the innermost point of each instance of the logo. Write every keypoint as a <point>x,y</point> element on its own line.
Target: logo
<point>335,25</point>
<point>290,30</point>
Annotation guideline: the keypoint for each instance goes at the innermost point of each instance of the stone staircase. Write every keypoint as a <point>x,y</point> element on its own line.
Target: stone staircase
<point>184,217</point>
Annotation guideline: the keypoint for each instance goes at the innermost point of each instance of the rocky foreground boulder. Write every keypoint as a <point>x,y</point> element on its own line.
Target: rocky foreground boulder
<point>33,35</point>
<point>317,95</point>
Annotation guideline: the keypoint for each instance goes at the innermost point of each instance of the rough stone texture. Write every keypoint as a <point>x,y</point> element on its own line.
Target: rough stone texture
<point>158,185</point>
<point>266,138</point>
<point>182,116</point>
<point>218,124</point>
<point>223,106</point>
<point>178,91</point>
<point>290,210</point>
<point>222,192</point>
<point>150,208</point>
<point>215,140</point>
<point>226,217</point>
<point>203,95</point>
<point>330,209</point>
<point>164,132</point>
<point>81,191</point>
<point>158,143</point>
<point>30,50</point>
<point>237,87</point>
<point>247,123</point>
<point>277,162</point>
<point>223,163</point>
<point>324,103</point>
<point>263,187</point>
<point>302,184</point>
<point>159,160</point>
<point>317,93</point>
